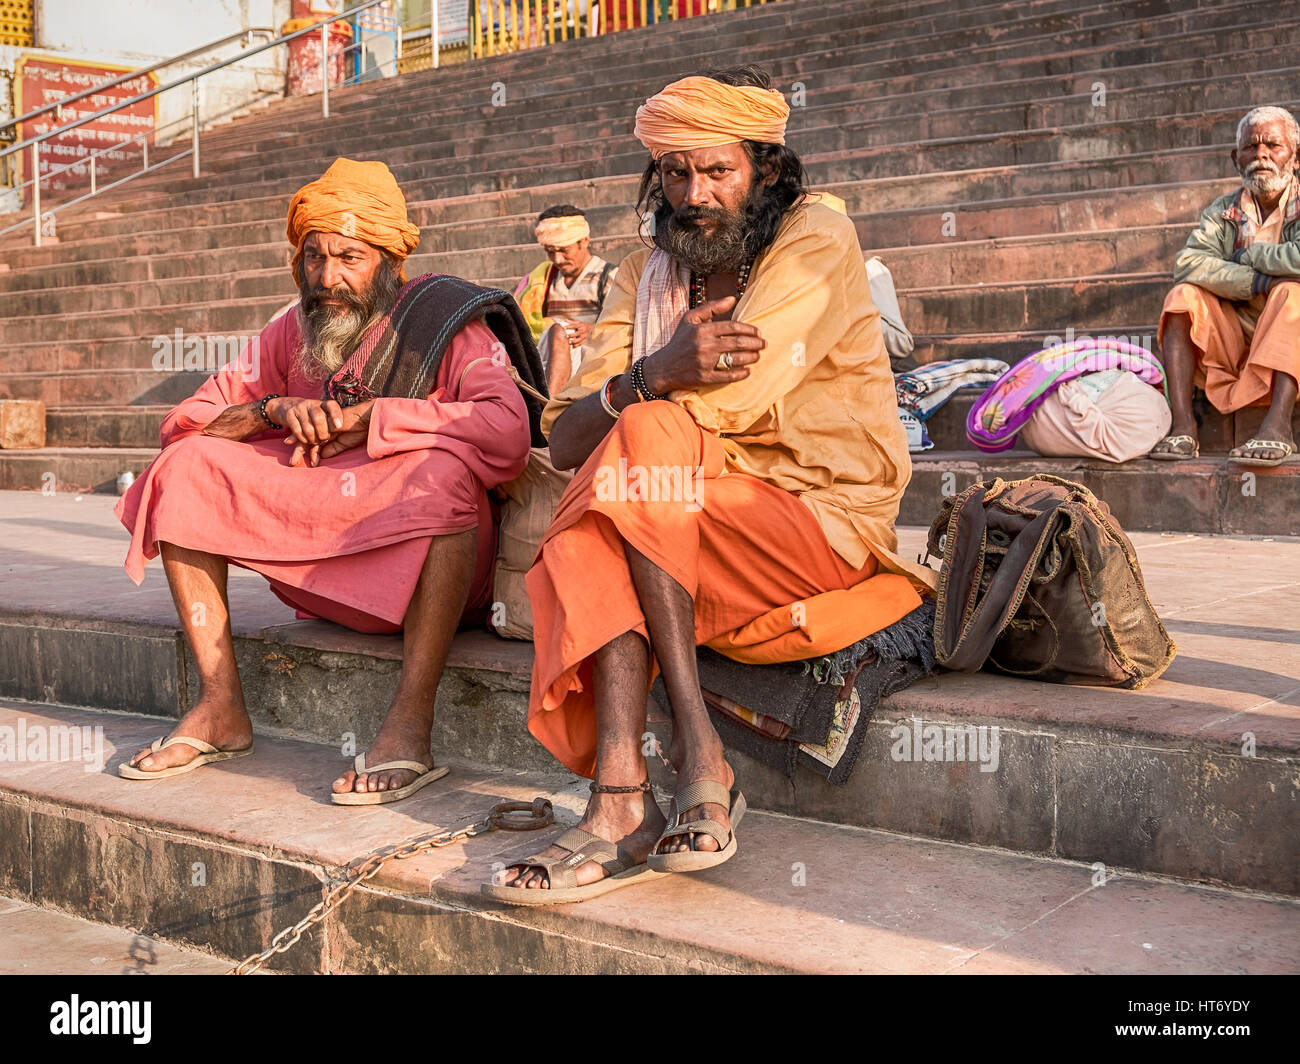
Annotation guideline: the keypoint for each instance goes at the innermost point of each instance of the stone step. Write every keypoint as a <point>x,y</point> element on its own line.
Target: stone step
<point>835,55</point>
<point>96,426</point>
<point>157,255</point>
<point>38,941</point>
<point>116,387</point>
<point>1140,780</point>
<point>1206,495</point>
<point>877,122</point>
<point>609,156</point>
<point>264,847</point>
<point>863,193</point>
<point>261,269</point>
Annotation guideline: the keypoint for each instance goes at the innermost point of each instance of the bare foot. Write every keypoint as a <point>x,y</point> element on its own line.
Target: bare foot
<point>224,724</point>
<point>397,741</point>
<point>633,821</point>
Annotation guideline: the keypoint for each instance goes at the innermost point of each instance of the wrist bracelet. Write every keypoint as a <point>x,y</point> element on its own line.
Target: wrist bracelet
<point>261,409</point>
<point>639,381</point>
<point>604,397</point>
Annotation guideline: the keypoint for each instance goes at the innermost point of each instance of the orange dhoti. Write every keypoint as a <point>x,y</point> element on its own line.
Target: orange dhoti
<point>1234,369</point>
<point>767,586</point>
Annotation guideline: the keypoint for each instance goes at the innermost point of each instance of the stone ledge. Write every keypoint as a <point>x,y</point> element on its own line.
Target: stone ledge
<point>800,896</point>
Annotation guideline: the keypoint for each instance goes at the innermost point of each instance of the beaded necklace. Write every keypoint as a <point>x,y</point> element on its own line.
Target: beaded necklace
<point>699,285</point>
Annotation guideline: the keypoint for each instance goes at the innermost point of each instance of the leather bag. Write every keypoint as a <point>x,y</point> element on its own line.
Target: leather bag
<point>1039,580</point>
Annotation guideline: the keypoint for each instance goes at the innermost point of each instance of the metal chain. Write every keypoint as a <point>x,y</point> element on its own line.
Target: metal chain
<point>539,815</point>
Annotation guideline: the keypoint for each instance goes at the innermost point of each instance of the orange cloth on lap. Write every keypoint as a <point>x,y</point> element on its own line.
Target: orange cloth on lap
<point>1235,371</point>
<point>766,584</point>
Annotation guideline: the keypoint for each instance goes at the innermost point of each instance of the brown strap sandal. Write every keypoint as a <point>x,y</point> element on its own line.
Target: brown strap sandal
<point>703,792</point>
<point>621,867</point>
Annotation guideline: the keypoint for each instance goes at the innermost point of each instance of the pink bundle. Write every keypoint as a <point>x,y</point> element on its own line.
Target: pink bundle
<point>1001,412</point>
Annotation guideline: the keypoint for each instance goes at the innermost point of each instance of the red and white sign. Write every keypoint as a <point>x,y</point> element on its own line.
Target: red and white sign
<point>40,80</point>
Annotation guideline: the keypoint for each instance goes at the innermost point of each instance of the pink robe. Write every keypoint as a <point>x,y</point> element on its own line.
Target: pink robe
<point>345,540</point>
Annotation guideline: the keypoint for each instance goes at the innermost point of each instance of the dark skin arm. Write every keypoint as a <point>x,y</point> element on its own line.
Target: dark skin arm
<point>317,429</point>
<point>688,360</point>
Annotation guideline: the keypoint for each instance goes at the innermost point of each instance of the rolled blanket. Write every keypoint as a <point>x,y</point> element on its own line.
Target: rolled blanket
<point>812,713</point>
<point>924,390</point>
<point>1002,411</point>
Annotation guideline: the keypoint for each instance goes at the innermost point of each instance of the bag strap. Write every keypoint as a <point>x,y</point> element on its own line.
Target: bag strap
<point>978,628</point>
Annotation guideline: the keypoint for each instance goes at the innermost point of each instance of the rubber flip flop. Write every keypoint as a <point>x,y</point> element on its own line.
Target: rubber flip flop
<point>207,755</point>
<point>562,888</point>
<point>705,792</point>
<point>427,776</point>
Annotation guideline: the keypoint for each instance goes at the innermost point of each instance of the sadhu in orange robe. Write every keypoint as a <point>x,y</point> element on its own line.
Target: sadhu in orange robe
<point>782,532</point>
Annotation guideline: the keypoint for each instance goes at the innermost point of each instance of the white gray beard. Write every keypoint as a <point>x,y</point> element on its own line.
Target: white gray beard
<point>1265,182</point>
<point>328,341</point>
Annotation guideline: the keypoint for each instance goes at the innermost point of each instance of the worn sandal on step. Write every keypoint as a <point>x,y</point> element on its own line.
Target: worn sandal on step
<point>561,872</point>
<point>1248,458</point>
<point>1176,449</point>
<point>207,755</point>
<point>424,776</point>
<point>705,792</point>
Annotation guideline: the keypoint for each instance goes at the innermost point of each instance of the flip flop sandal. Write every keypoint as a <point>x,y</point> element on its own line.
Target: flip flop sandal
<point>1262,445</point>
<point>207,755</point>
<point>1175,456</point>
<point>705,792</point>
<point>561,872</point>
<point>424,776</point>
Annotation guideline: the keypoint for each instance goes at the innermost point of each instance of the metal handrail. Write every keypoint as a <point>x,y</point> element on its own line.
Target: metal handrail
<point>57,105</point>
<point>322,27</point>
<point>34,143</point>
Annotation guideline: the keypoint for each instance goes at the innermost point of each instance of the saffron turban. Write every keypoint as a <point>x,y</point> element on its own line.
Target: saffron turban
<point>561,232</point>
<point>353,199</point>
<point>698,112</point>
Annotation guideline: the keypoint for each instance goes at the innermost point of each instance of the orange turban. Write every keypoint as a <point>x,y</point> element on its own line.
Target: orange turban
<point>698,112</point>
<point>354,199</point>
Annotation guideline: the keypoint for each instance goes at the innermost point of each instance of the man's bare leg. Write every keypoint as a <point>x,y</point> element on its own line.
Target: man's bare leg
<point>1178,354</point>
<point>561,359</point>
<point>432,618</point>
<point>696,751</point>
<point>1277,422</point>
<point>634,821</point>
<point>198,585</point>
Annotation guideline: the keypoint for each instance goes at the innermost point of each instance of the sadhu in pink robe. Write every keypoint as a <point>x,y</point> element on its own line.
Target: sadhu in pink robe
<point>345,540</point>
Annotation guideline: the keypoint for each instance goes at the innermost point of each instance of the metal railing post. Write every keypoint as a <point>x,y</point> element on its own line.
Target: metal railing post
<point>36,189</point>
<point>434,39</point>
<point>325,69</point>
<point>194,118</point>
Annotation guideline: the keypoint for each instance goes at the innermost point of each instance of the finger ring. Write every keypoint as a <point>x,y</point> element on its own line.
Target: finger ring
<point>725,361</point>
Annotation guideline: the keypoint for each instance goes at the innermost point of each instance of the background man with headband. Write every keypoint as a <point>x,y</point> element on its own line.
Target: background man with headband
<point>562,297</point>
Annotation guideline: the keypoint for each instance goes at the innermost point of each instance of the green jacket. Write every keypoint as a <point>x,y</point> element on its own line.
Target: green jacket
<point>1213,259</point>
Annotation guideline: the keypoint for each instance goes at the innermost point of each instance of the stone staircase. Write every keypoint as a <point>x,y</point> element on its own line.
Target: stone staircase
<point>1067,216</point>
<point>1024,169</point>
<point>1135,832</point>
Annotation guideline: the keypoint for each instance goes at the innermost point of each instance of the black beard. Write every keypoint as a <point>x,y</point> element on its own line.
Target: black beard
<point>331,334</point>
<point>734,241</point>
